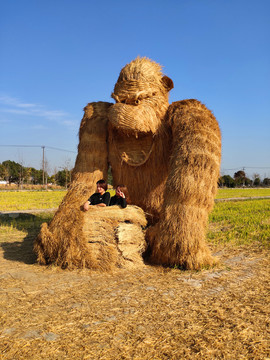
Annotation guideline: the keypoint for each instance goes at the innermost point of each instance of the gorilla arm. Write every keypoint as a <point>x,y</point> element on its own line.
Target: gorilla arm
<point>179,237</point>
<point>91,165</point>
<point>92,159</point>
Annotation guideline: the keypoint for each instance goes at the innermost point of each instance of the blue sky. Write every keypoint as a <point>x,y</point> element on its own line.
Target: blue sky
<point>58,55</point>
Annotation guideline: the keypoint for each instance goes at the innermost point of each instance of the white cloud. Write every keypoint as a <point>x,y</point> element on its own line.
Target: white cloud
<point>17,107</point>
<point>8,100</point>
<point>39,127</point>
<point>15,111</point>
<point>69,123</point>
<point>5,121</point>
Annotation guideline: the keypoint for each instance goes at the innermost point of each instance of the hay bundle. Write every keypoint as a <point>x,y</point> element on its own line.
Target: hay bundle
<point>115,235</point>
<point>104,239</point>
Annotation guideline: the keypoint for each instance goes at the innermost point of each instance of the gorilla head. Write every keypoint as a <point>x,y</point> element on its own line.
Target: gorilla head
<point>141,95</point>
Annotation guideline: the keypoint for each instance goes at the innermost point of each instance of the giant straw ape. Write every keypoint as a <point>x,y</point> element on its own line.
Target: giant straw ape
<point>167,155</point>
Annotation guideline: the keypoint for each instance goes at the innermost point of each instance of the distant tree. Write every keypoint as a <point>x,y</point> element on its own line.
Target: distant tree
<point>17,173</point>
<point>37,176</point>
<point>33,176</point>
<point>62,177</point>
<point>228,181</point>
<point>2,171</point>
<point>220,181</point>
<point>254,176</point>
<point>51,179</point>
<point>266,182</point>
<point>241,179</point>
<point>27,175</point>
<point>22,172</point>
<point>248,182</point>
<point>257,181</point>
<point>13,170</point>
<point>46,170</point>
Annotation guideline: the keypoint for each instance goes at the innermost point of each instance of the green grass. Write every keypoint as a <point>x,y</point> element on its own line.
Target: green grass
<point>17,235</point>
<point>233,193</point>
<point>26,224</point>
<point>240,223</point>
<point>30,200</point>
<point>111,191</point>
<point>230,223</point>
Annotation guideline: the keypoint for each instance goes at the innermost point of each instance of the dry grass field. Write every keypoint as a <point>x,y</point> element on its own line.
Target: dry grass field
<point>151,313</point>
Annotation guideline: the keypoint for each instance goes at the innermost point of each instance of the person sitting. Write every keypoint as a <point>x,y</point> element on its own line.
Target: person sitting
<point>121,196</point>
<point>100,197</point>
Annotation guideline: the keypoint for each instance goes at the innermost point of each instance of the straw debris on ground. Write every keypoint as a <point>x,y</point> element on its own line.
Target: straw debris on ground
<point>146,313</point>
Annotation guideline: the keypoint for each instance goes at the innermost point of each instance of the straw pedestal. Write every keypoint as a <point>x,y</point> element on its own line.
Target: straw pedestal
<point>110,238</point>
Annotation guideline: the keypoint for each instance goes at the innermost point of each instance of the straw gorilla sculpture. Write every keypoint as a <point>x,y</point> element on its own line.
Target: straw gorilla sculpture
<point>167,155</point>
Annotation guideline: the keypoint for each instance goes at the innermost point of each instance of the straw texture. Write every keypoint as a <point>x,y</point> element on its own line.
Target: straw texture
<point>65,229</point>
<point>141,95</point>
<point>107,238</point>
<point>179,238</point>
<point>168,156</point>
<point>139,139</point>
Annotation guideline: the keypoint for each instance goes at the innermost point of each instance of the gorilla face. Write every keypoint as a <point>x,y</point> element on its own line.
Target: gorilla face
<point>141,95</point>
<point>137,114</point>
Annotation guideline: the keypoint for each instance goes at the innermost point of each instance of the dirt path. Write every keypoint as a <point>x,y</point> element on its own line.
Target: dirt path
<point>153,313</point>
<point>243,198</point>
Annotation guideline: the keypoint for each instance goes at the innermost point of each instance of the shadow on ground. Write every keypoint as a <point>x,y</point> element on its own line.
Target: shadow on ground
<point>16,246</point>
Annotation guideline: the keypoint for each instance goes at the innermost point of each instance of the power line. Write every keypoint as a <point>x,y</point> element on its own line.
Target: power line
<point>257,167</point>
<point>41,146</point>
<point>248,167</point>
<point>22,145</point>
<point>54,148</point>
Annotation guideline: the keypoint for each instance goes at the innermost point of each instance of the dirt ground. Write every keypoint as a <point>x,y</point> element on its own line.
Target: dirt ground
<point>152,313</point>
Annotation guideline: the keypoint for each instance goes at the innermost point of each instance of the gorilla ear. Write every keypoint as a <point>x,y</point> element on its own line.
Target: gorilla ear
<point>167,82</point>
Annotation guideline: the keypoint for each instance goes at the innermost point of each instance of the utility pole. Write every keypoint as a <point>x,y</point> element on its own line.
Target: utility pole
<point>43,164</point>
<point>244,177</point>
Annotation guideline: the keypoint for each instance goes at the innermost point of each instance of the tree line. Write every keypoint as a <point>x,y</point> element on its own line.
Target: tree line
<point>241,180</point>
<point>13,172</point>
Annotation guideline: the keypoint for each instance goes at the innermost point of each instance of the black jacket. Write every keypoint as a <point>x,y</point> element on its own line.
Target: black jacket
<point>96,198</point>
<point>118,200</point>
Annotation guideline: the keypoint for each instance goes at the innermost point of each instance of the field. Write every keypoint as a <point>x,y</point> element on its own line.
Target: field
<point>242,192</point>
<point>153,313</point>
<point>29,200</point>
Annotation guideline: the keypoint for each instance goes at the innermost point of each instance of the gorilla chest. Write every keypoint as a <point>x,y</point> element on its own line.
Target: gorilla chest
<point>142,165</point>
<point>130,150</point>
